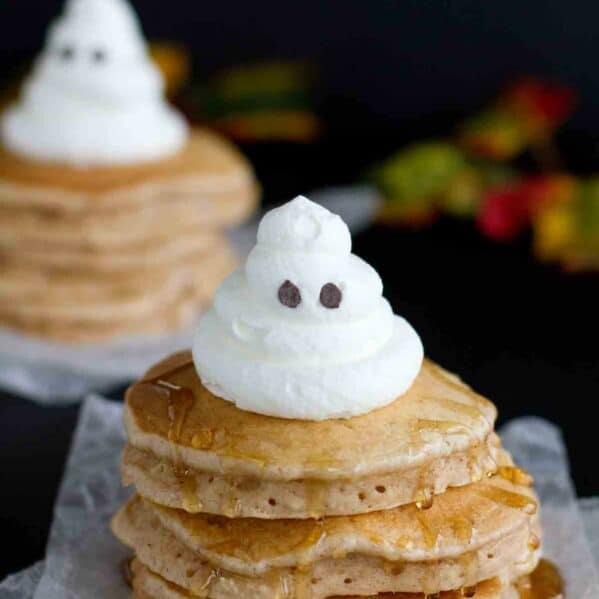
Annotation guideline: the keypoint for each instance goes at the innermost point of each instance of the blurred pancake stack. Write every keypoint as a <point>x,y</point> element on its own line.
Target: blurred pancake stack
<point>113,214</point>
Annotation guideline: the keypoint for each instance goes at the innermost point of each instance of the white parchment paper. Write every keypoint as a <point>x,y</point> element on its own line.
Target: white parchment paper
<point>84,561</point>
<point>58,373</point>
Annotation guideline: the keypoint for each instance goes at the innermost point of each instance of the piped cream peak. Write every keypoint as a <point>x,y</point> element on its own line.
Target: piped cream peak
<point>302,330</point>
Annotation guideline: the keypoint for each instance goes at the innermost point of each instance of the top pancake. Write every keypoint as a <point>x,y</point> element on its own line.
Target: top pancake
<point>172,416</point>
<point>207,165</point>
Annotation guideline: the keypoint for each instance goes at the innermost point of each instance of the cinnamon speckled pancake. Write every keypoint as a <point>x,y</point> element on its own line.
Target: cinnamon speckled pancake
<point>149,585</point>
<point>168,251</point>
<point>449,546</point>
<point>438,434</point>
<point>119,227</point>
<point>207,165</point>
<point>65,297</point>
<point>247,497</point>
<point>80,331</point>
<point>165,248</point>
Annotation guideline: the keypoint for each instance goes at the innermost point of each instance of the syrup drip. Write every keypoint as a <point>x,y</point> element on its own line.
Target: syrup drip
<point>544,583</point>
<point>180,401</point>
<point>514,500</point>
<point>203,588</point>
<point>302,582</point>
<point>440,426</point>
<point>316,498</point>
<point>169,371</point>
<point>516,475</point>
<point>489,466</point>
<point>203,439</point>
<point>424,498</point>
<point>284,586</point>
<point>424,495</point>
<point>457,406</point>
<point>430,536</point>
<point>462,528</point>
<point>534,542</point>
<point>468,591</point>
<point>476,470</point>
<point>231,507</point>
<point>470,567</point>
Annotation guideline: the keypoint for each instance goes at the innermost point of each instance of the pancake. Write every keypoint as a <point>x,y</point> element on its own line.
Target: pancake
<point>149,585</point>
<point>250,497</point>
<point>236,463</point>
<point>64,297</point>
<point>166,319</point>
<point>207,165</point>
<point>169,250</point>
<point>401,550</point>
<point>112,229</point>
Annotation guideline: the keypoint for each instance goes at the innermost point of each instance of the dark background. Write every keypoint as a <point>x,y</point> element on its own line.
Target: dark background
<point>521,333</point>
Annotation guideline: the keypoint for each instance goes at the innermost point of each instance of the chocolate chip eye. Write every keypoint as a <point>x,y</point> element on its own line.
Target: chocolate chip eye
<point>98,55</point>
<point>66,53</point>
<point>330,296</point>
<point>289,295</point>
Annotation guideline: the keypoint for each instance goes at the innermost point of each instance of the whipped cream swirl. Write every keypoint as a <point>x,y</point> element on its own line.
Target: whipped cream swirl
<point>302,331</point>
<point>94,96</point>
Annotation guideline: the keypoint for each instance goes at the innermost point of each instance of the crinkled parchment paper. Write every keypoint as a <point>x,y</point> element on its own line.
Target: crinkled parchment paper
<point>84,561</point>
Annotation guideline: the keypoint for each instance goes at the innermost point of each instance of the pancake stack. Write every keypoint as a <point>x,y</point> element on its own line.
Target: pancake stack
<point>93,253</point>
<point>416,499</point>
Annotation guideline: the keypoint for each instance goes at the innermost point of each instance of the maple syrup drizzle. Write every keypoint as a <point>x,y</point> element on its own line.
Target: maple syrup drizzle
<point>284,586</point>
<point>462,528</point>
<point>429,535</point>
<point>180,400</point>
<point>441,426</point>
<point>202,588</point>
<point>489,465</point>
<point>534,542</point>
<point>516,475</point>
<point>230,506</point>
<point>470,565</point>
<point>169,372</point>
<point>545,582</point>
<point>424,494</point>
<point>316,498</point>
<point>203,438</point>
<point>424,498</point>
<point>302,583</point>
<point>461,408</point>
<point>476,470</point>
<point>508,498</point>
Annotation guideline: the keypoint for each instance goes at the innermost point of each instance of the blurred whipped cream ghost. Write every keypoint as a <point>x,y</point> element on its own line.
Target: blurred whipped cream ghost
<point>302,331</point>
<point>94,97</point>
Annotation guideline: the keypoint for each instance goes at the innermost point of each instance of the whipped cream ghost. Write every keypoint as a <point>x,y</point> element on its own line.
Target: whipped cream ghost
<point>94,96</point>
<point>302,331</point>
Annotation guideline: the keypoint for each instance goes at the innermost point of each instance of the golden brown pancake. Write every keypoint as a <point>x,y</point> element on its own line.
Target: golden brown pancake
<point>236,463</point>
<point>65,297</point>
<point>149,585</point>
<point>115,228</point>
<point>207,165</point>
<point>166,251</point>
<point>471,534</point>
